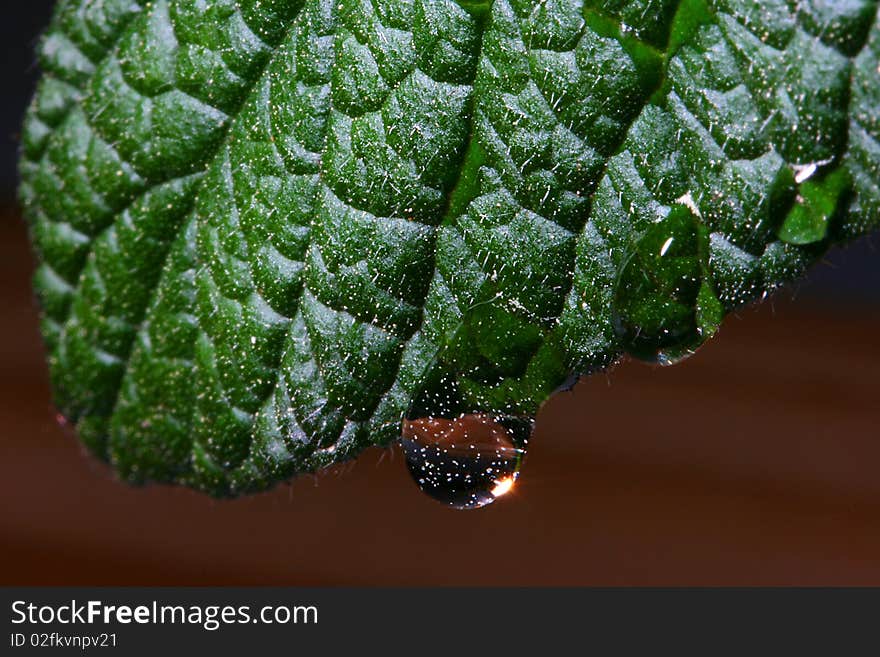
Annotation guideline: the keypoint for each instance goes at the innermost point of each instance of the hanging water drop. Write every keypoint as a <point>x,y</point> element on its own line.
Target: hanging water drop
<point>458,454</point>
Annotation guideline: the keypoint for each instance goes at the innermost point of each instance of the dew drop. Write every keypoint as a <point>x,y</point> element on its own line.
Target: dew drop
<point>665,306</point>
<point>459,453</point>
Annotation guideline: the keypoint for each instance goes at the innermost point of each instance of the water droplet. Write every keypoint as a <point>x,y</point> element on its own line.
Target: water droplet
<point>820,197</point>
<point>459,453</point>
<point>664,303</point>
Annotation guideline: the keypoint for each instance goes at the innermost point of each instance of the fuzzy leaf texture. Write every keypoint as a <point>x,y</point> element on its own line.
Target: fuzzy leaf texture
<point>262,224</point>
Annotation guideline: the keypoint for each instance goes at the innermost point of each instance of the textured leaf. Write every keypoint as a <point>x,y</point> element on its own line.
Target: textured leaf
<point>264,226</point>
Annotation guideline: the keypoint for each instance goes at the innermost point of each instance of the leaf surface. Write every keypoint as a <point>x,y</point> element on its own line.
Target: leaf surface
<point>264,226</point>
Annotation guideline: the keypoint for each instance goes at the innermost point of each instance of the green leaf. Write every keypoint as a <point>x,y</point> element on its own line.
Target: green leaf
<point>265,226</point>
<point>808,220</point>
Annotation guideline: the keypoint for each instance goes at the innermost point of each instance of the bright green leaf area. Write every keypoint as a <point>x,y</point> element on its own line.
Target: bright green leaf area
<point>264,226</point>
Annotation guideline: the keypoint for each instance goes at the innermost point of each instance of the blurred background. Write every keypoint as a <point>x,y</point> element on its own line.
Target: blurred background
<point>757,461</point>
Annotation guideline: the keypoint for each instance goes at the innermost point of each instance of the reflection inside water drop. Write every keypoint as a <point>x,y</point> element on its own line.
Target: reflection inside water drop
<point>463,458</point>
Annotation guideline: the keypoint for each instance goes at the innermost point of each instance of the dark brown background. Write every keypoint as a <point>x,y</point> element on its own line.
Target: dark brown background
<point>755,462</point>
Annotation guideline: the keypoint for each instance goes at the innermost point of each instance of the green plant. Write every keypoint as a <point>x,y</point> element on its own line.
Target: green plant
<point>265,226</point>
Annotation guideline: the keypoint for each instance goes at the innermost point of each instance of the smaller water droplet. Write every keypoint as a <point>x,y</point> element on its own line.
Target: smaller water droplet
<point>664,304</point>
<point>821,194</point>
<point>460,455</point>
